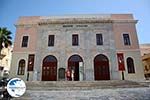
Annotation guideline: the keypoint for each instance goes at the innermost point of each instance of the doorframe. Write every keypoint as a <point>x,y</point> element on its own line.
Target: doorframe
<point>80,79</point>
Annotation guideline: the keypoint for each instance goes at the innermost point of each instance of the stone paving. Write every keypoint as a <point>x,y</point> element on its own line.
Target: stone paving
<point>142,93</point>
<point>104,90</point>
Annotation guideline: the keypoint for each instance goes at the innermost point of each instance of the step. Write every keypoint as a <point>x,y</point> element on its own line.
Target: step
<point>78,85</point>
<point>141,93</point>
<point>82,90</point>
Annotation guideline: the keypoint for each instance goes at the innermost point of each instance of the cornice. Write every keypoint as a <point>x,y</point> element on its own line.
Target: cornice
<point>25,25</point>
<point>124,21</point>
<point>74,21</point>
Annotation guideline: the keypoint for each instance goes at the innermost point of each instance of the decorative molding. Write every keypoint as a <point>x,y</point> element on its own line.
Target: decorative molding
<point>124,21</point>
<point>26,25</point>
<point>73,21</point>
<point>126,50</point>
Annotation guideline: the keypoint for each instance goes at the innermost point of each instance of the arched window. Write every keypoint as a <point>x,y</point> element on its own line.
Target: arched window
<point>130,65</point>
<point>21,67</point>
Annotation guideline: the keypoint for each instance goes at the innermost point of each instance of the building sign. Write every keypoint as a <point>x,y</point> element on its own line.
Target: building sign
<point>120,58</point>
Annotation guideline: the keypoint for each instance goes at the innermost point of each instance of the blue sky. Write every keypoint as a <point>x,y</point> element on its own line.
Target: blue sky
<point>10,10</point>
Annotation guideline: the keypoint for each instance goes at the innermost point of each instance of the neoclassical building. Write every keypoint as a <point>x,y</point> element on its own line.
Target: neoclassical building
<point>94,47</point>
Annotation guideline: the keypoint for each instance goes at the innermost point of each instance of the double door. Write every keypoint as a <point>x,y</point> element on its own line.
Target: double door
<point>49,71</point>
<point>101,70</point>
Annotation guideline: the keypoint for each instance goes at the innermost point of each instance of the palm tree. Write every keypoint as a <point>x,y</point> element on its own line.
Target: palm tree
<point>5,38</point>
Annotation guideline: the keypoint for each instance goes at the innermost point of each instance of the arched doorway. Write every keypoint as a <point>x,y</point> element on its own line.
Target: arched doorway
<point>101,67</point>
<point>49,68</point>
<point>73,64</point>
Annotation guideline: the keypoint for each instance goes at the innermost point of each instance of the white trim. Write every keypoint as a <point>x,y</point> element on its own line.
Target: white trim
<point>127,50</point>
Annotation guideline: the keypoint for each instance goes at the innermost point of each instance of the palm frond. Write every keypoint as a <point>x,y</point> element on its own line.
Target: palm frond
<point>5,36</point>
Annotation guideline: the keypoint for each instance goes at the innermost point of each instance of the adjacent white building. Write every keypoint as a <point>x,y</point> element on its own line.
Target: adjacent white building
<point>5,60</point>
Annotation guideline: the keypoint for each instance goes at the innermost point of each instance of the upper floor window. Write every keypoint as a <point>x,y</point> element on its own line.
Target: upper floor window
<point>75,40</point>
<point>130,65</point>
<point>21,67</point>
<point>25,41</point>
<point>51,40</point>
<point>99,39</point>
<point>126,39</point>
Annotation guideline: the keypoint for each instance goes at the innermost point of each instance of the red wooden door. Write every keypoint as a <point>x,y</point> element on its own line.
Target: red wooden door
<point>49,71</point>
<point>101,68</point>
<point>101,71</point>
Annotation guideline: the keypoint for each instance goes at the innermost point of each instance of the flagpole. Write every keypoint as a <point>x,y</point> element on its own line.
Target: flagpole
<point>122,75</point>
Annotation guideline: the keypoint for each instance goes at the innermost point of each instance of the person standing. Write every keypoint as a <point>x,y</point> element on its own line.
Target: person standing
<point>68,75</point>
<point>72,75</point>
